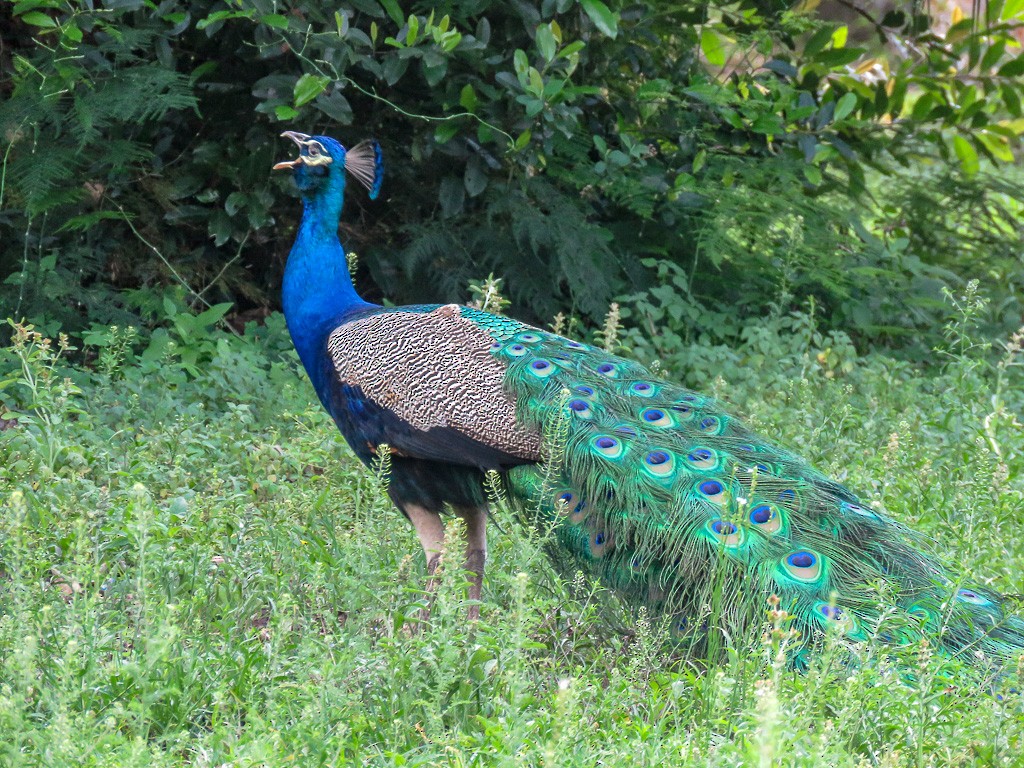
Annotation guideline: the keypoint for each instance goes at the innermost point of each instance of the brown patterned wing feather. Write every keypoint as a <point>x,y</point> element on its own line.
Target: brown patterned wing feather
<point>435,373</point>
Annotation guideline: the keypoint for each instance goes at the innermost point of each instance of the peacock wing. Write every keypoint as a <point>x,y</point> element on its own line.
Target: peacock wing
<point>423,381</point>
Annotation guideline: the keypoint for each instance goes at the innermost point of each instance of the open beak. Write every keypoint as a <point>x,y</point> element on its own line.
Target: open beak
<point>298,138</point>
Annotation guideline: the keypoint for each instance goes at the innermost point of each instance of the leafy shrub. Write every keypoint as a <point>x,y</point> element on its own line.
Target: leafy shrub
<point>558,145</point>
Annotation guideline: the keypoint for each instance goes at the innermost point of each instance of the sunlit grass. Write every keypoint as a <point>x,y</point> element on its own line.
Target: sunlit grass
<point>194,570</point>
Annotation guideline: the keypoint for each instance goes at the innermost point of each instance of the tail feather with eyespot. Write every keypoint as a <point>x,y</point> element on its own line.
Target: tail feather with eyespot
<point>678,506</point>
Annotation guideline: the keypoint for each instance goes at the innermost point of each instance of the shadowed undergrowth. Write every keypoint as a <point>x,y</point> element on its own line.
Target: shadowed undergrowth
<point>194,570</point>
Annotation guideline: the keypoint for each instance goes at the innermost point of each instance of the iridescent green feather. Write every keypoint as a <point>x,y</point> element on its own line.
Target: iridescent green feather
<point>676,505</point>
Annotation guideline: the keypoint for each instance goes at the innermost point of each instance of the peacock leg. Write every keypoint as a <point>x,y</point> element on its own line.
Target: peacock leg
<point>475,519</point>
<point>430,531</point>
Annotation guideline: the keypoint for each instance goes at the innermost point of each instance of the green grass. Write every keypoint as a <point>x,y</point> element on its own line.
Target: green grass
<point>196,571</point>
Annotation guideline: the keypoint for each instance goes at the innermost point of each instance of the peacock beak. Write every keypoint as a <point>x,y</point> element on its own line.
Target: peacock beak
<point>299,138</point>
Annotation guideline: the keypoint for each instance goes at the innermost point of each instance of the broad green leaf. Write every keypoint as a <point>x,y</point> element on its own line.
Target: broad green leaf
<point>536,82</point>
<point>308,87</point>
<point>446,131</point>
<point>434,72</point>
<point>968,95</point>
<point>993,54</point>
<point>534,106</point>
<point>38,19</point>
<point>394,11</point>
<point>961,30</point>
<point>837,57</point>
<point>845,106</point>
<point>780,67</point>
<point>414,30</point>
<point>552,88</point>
<point>768,124</point>
<point>1011,99</point>
<point>275,20</point>
<point>1013,68</point>
<point>602,16</point>
<point>1012,9</point>
<point>475,179</point>
<point>572,49</point>
<point>170,308</point>
<point>213,314</point>
<point>336,107</point>
<point>546,42</point>
<point>923,106</point>
<point>839,37</point>
<point>234,202</point>
<point>483,31</point>
<point>450,41</point>
<point>818,41</point>
<point>998,146</point>
<point>967,154</point>
<point>219,16</point>
<point>712,46</point>
<point>699,160</point>
<point>521,62</point>
<point>468,98</point>
<point>808,144</point>
<point>394,68</point>
<point>204,69</point>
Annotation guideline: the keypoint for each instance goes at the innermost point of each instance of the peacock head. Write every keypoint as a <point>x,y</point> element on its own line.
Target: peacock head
<point>321,158</point>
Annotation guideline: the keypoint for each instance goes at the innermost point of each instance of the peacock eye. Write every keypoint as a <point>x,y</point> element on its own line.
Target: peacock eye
<point>314,150</point>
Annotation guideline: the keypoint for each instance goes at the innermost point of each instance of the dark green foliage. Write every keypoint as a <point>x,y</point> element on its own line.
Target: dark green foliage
<point>557,144</point>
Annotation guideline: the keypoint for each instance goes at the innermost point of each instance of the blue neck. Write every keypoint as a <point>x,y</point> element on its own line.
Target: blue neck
<point>318,292</point>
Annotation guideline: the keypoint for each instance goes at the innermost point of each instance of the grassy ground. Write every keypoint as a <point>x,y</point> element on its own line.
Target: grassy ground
<point>195,571</point>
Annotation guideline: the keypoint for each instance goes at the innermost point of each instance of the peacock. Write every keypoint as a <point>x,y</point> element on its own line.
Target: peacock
<point>653,488</point>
